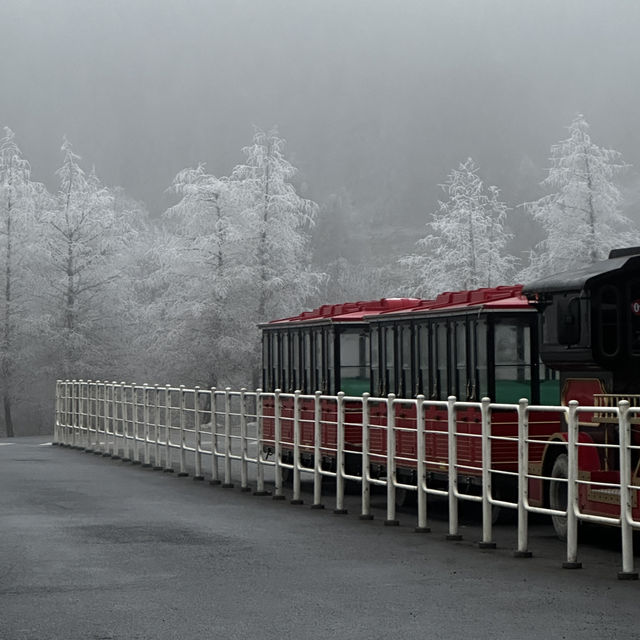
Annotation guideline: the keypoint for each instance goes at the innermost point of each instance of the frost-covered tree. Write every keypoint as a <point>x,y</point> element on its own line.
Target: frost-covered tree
<point>16,207</point>
<point>84,232</point>
<point>211,252</point>
<point>466,246</point>
<point>582,217</point>
<point>276,221</point>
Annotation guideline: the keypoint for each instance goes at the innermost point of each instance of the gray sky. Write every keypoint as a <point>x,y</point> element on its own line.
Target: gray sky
<point>379,97</point>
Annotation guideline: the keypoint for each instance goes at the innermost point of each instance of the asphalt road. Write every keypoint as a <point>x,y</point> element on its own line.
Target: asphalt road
<point>92,548</point>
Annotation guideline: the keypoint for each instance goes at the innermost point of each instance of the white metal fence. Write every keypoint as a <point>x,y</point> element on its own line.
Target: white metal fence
<point>221,433</point>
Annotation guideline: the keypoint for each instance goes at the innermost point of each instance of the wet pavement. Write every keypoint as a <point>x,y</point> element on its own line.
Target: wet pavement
<point>95,548</point>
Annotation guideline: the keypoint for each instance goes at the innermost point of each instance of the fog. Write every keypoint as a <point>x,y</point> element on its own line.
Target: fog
<point>376,98</point>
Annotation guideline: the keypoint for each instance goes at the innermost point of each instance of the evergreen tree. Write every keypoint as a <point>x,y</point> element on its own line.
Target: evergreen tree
<point>465,248</point>
<point>278,220</point>
<point>84,233</point>
<point>210,248</point>
<point>16,206</point>
<point>582,218</point>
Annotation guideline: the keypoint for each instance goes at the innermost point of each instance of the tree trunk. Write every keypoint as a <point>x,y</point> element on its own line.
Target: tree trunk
<point>593,246</point>
<point>8,420</point>
<point>7,337</point>
<point>262,248</point>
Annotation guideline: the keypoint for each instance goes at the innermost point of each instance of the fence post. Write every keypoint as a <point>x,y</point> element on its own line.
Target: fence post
<point>57,414</point>
<point>391,462</point>
<point>572,489</point>
<point>244,471</point>
<point>109,422</point>
<point>628,570</point>
<point>260,490</point>
<point>198,437</point>
<point>136,424</point>
<point>340,508</point>
<point>183,462</point>
<point>421,471</point>
<point>366,485</point>
<point>296,449</point>
<point>487,507</point>
<point>93,422</point>
<point>227,484</point>
<point>157,462</point>
<point>145,429</point>
<point>523,480</point>
<point>317,455</point>
<point>114,421</point>
<point>74,409</point>
<point>215,477</point>
<point>79,423</point>
<point>452,470</point>
<point>126,433</point>
<point>168,456</point>
<point>102,445</point>
<point>86,402</point>
<point>277,445</point>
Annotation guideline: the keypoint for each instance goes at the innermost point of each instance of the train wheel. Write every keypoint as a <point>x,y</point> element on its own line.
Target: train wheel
<point>558,494</point>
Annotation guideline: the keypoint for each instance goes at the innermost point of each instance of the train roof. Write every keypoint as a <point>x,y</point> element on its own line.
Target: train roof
<point>349,311</point>
<point>578,279</point>
<point>504,297</point>
<point>487,298</point>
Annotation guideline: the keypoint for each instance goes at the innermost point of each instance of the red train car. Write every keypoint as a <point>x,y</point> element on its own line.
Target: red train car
<point>573,336</point>
<point>326,350</point>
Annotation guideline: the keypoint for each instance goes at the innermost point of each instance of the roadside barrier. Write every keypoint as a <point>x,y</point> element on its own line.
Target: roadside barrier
<point>457,451</point>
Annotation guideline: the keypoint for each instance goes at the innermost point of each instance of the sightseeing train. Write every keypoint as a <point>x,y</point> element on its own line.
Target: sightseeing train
<point>571,336</point>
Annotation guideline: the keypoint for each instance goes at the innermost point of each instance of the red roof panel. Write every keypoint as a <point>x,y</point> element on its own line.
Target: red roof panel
<point>352,311</point>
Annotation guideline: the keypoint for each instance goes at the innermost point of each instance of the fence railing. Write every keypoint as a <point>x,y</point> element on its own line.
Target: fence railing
<point>481,452</point>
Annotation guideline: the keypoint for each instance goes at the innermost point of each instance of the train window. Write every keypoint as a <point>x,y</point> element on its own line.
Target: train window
<point>375,362</point>
<point>285,365</point>
<point>329,353</point>
<point>318,369</point>
<point>405,352</point>
<point>307,355</point>
<point>266,381</point>
<point>389,360</point>
<point>458,360</point>
<point>275,360</point>
<point>423,364</point>
<point>295,361</point>
<point>609,320</point>
<point>512,342</point>
<point>480,355</point>
<point>354,362</point>
<point>442,381</point>
<point>633,300</point>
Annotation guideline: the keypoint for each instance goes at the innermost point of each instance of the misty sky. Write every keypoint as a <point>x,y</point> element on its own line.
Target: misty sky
<point>381,98</point>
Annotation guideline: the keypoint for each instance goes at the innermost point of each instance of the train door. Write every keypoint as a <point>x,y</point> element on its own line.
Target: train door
<point>512,360</point>
<point>353,370</point>
<point>458,358</point>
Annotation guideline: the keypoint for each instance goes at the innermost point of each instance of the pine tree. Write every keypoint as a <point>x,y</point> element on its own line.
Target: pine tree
<point>278,218</point>
<point>209,247</point>
<point>83,231</point>
<point>582,218</point>
<point>16,205</point>
<point>466,246</point>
